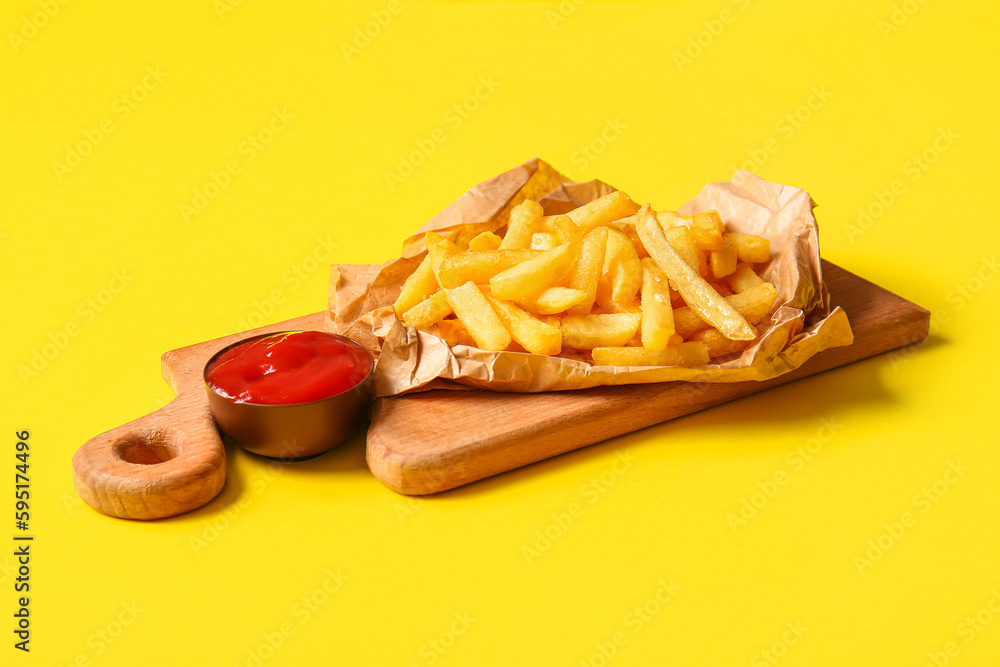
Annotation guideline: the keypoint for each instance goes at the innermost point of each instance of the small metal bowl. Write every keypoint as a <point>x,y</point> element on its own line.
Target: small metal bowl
<point>292,431</point>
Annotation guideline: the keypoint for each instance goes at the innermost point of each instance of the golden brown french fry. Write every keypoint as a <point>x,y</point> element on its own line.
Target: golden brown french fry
<point>707,230</point>
<point>588,268</point>
<point>529,332</point>
<point>585,332</point>
<point>702,262</point>
<point>624,271</point>
<point>685,354</point>
<point>543,241</point>
<point>724,259</point>
<point>533,275</point>
<point>667,220</point>
<point>455,333</point>
<point>479,267</point>
<point>697,293</point>
<point>683,242</point>
<point>633,236</point>
<point>717,344</point>
<point>485,241</point>
<point>566,230</point>
<point>552,300</point>
<point>657,313</point>
<point>545,224</point>
<point>438,249</point>
<point>675,297</point>
<point>722,288</point>
<point>743,278</point>
<point>418,286</point>
<point>477,315</point>
<point>427,312</point>
<point>524,219</point>
<point>750,247</point>
<point>603,210</point>
<point>753,303</point>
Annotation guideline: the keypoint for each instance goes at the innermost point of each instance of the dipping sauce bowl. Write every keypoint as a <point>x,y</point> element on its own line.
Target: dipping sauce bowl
<point>292,394</point>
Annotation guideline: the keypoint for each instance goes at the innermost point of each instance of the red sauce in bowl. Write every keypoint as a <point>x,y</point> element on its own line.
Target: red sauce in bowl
<point>289,368</point>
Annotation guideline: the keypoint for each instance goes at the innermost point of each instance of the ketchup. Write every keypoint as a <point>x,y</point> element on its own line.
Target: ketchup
<point>289,368</point>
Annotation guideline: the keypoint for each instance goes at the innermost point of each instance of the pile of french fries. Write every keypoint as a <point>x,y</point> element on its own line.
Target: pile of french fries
<point>632,286</point>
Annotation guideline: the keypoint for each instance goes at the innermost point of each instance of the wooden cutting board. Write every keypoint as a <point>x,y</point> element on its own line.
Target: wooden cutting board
<point>173,460</point>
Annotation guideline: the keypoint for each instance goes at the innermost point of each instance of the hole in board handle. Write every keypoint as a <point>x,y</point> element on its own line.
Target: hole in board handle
<point>144,451</point>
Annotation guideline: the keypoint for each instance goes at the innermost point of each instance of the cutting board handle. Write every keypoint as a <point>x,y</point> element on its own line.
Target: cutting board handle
<point>169,462</point>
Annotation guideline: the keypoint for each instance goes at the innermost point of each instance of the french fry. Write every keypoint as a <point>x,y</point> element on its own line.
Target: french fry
<point>552,300</point>
<point>585,332</point>
<point>675,297</point>
<point>533,275</point>
<point>587,270</point>
<point>418,286</point>
<point>529,332</point>
<point>657,314</point>
<point>566,230</point>
<point>479,267</point>
<point>603,210</point>
<point>683,242</point>
<point>753,304</point>
<point>623,271</point>
<point>633,236</point>
<point>717,344</point>
<point>551,224</point>
<point>524,219</point>
<point>722,288</point>
<point>543,241</point>
<point>743,278</point>
<point>697,293</point>
<point>485,241</point>
<point>750,247</point>
<point>686,354</point>
<point>724,259</point>
<point>427,312</point>
<point>702,262</point>
<point>707,229</point>
<point>439,249</point>
<point>477,315</point>
<point>455,333</point>
<point>667,220</point>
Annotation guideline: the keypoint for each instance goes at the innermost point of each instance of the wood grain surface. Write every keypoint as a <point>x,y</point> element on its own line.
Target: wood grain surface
<point>487,433</point>
<point>173,460</point>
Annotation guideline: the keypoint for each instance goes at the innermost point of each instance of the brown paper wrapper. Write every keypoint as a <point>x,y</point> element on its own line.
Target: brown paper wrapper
<point>801,324</point>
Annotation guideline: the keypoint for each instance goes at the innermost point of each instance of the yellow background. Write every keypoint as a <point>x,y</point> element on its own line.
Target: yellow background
<point>210,587</point>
